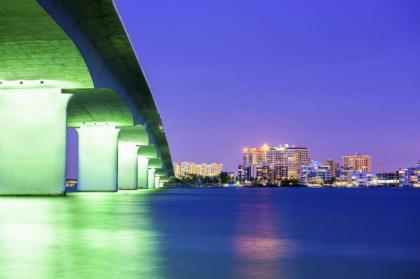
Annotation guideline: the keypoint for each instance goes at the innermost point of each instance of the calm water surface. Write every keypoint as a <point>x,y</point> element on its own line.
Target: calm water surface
<point>213,233</point>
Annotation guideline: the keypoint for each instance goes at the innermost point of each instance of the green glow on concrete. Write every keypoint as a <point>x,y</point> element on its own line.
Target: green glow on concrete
<point>33,48</point>
<point>163,180</point>
<point>154,163</point>
<point>101,24</point>
<point>142,171</point>
<point>148,151</point>
<point>160,174</point>
<point>97,106</point>
<point>129,139</point>
<point>135,134</point>
<point>97,158</point>
<point>145,152</point>
<point>157,181</point>
<point>32,141</point>
<point>151,178</point>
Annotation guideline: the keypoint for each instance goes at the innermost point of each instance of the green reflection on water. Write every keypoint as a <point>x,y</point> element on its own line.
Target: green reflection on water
<point>87,235</point>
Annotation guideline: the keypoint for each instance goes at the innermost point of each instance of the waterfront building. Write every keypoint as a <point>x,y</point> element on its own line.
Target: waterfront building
<point>283,162</point>
<point>254,156</point>
<point>280,173</point>
<point>334,166</point>
<point>264,174</point>
<point>246,172</point>
<point>276,156</point>
<point>362,179</point>
<point>71,183</point>
<point>343,177</point>
<point>183,169</point>
<point>358,162</point>
<point>315,174</point>
<point>386,179</point>
<point>410,176</point>
<point>296,157</point>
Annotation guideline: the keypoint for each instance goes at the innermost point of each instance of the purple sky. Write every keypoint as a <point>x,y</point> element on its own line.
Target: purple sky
<point>336,76</point>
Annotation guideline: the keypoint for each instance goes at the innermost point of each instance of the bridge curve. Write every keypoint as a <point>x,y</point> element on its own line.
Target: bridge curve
<point>96,30</point>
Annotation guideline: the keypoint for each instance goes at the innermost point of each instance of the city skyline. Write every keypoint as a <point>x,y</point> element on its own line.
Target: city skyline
<point>283,72</point>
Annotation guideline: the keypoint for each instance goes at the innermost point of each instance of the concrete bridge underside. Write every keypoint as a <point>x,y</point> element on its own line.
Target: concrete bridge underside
<point>70,64</point>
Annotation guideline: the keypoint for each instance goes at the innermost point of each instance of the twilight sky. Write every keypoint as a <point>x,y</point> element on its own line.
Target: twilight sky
<point>336,76</point>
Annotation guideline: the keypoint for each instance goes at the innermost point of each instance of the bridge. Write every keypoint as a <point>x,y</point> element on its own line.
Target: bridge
<point>70,64</point>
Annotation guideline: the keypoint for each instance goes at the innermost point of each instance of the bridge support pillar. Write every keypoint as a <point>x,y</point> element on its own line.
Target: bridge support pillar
<point>145,153</point>
<point>32,141</point>
<point>129,140</point>
<point>160,176</point>
<point>98,157</point>
<point>154,164</point>
<point>151,178</point>
<point>142,172</point>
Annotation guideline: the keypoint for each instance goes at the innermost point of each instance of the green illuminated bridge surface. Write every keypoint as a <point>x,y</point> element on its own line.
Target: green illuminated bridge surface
<point>78,44</point>
<point>34,47</point>
<point>97,105</point>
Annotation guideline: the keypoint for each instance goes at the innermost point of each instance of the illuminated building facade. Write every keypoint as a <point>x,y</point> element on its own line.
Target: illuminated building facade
<point>247,172</point>
<point>184,169</point>
<point>362,179</point>
<point>410,176</point>
<point>386,179</point>
<point>358,163</point>
<point>281,162</point>
<point>315,174</point>
<point>264,174</point>
<point>334,166</point>
<point>296,157</point>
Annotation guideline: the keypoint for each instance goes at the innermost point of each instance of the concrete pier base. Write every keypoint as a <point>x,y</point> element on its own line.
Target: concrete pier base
<point>151,178</point>
<point>32,141</point>
<point>98,158</point>
<point>145,153</point>
<point>154,164</point>
<point>129,140</point>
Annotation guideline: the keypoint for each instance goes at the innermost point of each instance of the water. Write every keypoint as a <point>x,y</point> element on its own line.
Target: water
<point>213,233</point>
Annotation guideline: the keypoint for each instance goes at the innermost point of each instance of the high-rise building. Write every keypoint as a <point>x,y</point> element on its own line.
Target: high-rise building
<point>253,156</point>
<point>276,156</point>
<point>296,157</point>
<point>283,161</point>
<point>334,166</point>
<point>183,169</point>
<point>358,163</point>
